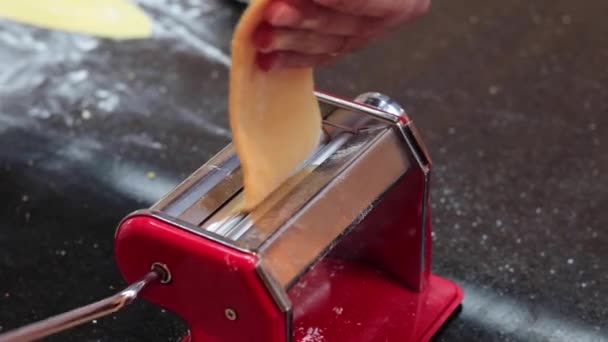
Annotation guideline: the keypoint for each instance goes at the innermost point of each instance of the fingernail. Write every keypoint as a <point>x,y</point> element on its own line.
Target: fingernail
<point>280,14</point>
<point>266,61</point>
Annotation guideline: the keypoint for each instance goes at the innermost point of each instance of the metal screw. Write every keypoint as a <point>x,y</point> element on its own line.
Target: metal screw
<point>163,271</point>
<point>230,314</point>
<point>382,102</point>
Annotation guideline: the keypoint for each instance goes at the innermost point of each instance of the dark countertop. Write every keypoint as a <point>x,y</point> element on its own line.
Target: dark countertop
<point>511,98</point>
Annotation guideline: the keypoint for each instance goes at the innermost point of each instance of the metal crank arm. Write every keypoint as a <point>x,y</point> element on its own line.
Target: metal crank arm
<point>85,314</point>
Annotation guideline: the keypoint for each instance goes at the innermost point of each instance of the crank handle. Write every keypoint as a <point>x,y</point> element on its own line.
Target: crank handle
<point>85,314</point>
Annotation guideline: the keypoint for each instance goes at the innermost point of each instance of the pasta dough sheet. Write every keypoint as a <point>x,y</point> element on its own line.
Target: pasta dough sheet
<point>274,116</point>
<point>116,19</point>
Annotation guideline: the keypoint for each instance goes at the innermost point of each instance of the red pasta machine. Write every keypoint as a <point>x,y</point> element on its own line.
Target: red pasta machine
<point>340,253</point>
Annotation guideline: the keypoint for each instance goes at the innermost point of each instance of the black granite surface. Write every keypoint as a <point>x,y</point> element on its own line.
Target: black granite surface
<point>510,96</point>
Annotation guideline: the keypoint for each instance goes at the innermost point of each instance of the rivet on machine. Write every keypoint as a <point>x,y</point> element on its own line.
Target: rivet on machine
<point>342,252</point>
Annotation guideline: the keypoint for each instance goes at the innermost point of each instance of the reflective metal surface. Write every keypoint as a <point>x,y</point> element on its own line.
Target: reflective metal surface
<point>202,193</point>
<point>211,197</point>
<point>381,102</point>
<point>388,118</point>
<point>356,144</point>
<point>340,201</point>
<point>280,297</point>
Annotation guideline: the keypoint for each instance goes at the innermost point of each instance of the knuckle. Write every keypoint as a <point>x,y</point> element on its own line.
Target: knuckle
<point>323,21</point>
<point>411,9</point>
<point>422,8</point>
<point>368,27</point>
<point>284,40</point>
<point>307,42</point>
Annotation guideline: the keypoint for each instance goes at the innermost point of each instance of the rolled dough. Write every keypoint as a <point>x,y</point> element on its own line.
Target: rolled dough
<point>116,19</point>
<point>274,116</point>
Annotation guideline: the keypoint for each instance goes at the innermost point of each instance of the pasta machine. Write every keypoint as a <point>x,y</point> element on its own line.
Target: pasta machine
<point>341,252</point>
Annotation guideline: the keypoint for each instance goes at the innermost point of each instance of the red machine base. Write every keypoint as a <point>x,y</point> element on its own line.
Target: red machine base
<point>360,305</point>
<point>341,301</point>
<point>336,301</point>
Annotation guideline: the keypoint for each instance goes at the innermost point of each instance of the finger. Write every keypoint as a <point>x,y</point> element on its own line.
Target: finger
<point>353,44</point>
<point>291,60</point>
<point>414,11</point>
<point>421,8</point>
<point>308,42</point>
<point>309,16</point>
<point>372,8</point>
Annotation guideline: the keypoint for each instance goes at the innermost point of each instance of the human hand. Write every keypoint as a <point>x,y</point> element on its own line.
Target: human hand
<point>308,33</point>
